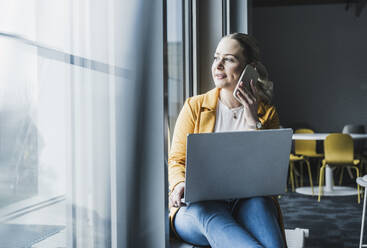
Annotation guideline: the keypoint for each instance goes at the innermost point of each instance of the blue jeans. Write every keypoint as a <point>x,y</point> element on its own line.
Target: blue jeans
<point>250,222</point>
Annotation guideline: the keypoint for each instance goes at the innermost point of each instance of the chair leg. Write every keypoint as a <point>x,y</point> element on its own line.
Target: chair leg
<point>350,172</point>
<point>341,176</point>
<point>320,181</point>
<point>291,165</point>
<point>318,170</point>
<point>301,174</point>
<point>362,190</point>
<point>309,175</point>
<point>323,178</point>
<point>363,216</point>
<point>359,197</point>
<point>295,173</point>
<point>318,173</point>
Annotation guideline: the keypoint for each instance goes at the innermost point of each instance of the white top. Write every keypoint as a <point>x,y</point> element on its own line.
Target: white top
<point>322,136</point>
<point>228,120</point>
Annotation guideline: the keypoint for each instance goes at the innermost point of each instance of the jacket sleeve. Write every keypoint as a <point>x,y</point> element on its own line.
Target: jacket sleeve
<point>271,119</point>
<point>185,125</point>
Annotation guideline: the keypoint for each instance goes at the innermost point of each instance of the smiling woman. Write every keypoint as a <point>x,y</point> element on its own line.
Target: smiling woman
<point>228,64</point>
<point>226,223</point>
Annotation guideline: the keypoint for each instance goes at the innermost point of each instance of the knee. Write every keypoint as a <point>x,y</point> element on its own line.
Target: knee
<point>203,211</point>
<point>259,203</point>
<point>201,208</point>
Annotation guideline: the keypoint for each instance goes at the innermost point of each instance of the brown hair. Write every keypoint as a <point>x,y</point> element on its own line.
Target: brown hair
<point>251,52</point>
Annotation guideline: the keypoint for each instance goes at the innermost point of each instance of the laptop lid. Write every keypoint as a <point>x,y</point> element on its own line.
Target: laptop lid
<point>232,165</point>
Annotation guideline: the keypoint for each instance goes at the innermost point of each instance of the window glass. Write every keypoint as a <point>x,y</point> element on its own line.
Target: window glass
<point>175,61</point>
<point>71,130</point>
<point>54,130</point>
<point>19,142</point>
<point>33,140</point>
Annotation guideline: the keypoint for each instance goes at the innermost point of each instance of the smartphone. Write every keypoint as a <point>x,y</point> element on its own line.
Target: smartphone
<point>248,74</point>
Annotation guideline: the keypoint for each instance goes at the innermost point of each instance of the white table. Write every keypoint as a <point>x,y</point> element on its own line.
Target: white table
<point>329,189</point>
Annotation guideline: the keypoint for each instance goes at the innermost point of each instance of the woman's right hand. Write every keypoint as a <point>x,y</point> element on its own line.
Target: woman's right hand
<point>176,195</point>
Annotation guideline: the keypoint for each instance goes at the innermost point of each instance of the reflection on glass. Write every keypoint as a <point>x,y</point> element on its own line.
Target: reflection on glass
<point>19,142</point>
<point>33,150</point>
<point>18,156</point>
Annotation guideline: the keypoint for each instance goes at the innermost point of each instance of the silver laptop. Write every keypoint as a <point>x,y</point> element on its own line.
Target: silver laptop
<point>233,165</point>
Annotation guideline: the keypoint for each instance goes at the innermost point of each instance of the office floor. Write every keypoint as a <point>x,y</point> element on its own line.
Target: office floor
<point>333,222</point>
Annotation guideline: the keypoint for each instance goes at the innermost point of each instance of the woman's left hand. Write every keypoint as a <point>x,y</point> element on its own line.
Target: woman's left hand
<point>250,103</point>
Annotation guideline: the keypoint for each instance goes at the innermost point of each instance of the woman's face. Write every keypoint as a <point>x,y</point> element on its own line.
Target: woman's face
<point>228,64</point>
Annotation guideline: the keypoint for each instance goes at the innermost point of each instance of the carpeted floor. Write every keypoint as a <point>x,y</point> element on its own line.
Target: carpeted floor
<point>334,222</point>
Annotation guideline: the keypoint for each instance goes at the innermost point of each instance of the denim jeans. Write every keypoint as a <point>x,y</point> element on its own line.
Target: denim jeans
<point>250,222</point>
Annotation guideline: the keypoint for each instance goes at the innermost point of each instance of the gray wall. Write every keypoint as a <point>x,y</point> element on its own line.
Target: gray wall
<point>317,58</point>
<point>209,32</point>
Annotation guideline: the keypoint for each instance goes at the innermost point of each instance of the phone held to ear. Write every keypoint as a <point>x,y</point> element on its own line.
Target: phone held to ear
<point>248,74</point>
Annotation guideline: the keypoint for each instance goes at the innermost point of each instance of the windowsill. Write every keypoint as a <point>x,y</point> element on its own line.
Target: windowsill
<point>51,214</point>
<point>55,241</point>
<point>27,206</point>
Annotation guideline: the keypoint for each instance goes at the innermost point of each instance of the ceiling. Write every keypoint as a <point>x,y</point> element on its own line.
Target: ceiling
<point>266,3</point>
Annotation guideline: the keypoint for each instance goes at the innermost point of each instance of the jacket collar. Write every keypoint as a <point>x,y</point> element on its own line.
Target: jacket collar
<point>211,99</point>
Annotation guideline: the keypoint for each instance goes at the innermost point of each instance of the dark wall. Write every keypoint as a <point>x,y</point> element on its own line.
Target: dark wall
<point>317,57</point>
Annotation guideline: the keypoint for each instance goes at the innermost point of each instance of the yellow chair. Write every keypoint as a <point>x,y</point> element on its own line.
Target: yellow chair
<point>306,148</point>
<point>338,150</point>
<point>301,160</point>
<point>358,144</point>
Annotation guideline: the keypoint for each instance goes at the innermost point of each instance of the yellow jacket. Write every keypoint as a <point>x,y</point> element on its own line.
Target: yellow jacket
<point>198,116</point>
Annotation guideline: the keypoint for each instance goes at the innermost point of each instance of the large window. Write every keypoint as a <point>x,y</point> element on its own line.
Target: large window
<point>77,151</point>
<point>34,125</point>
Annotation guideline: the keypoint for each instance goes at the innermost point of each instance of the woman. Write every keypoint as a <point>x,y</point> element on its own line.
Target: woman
<point>250,222</point>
